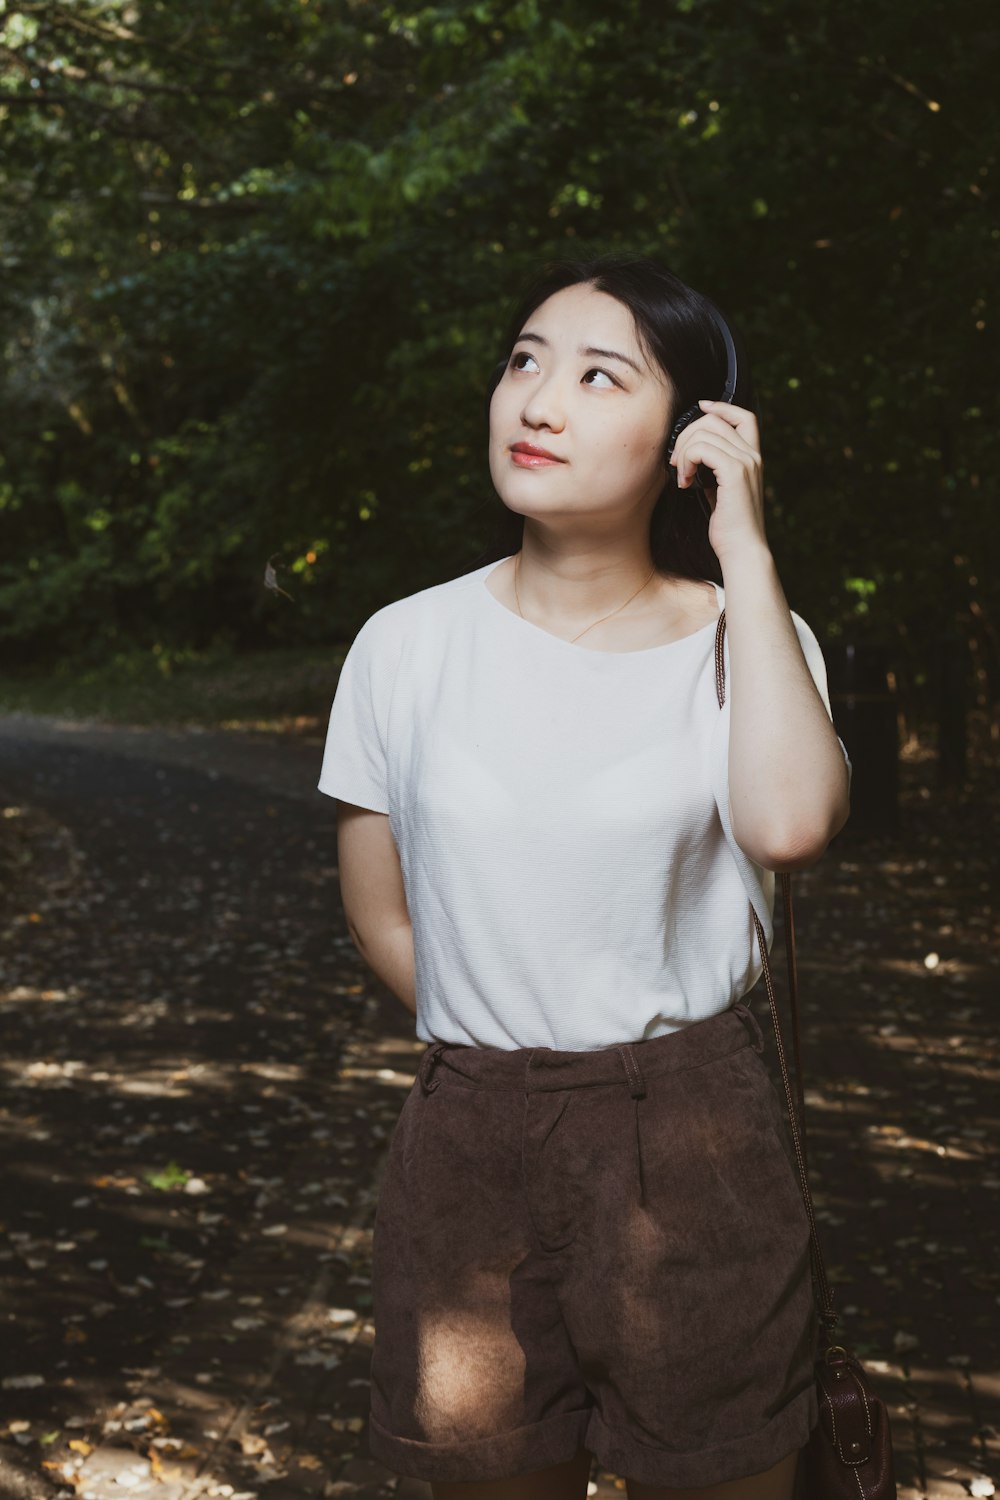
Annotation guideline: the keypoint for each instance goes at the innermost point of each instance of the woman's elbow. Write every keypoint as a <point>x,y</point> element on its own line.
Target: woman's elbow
<point>798,846</point>
<point>356,939</point>
<point>794,858</point>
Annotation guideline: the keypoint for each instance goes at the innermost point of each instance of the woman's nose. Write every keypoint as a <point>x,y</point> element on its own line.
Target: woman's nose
<point>544,407</point>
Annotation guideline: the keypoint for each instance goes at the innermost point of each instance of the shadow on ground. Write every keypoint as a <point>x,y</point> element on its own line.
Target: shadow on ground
<point>201,1080</point>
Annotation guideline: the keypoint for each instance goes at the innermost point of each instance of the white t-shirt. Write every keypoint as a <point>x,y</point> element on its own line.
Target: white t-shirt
<point>561,816</point>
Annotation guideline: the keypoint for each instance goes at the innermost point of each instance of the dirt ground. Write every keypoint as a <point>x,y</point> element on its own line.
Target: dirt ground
<point>201,1079</point>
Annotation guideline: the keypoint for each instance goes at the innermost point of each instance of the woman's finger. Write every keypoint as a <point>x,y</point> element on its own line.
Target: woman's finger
<point>700,448</point>
<point>723,429</point>
<point>736,416</point>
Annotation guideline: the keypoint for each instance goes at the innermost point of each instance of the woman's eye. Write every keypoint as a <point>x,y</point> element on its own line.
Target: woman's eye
<point>522,354</point>
<point>607,377</point>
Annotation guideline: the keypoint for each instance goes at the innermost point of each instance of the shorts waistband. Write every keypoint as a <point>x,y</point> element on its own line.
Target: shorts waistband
<point>531,1069</point>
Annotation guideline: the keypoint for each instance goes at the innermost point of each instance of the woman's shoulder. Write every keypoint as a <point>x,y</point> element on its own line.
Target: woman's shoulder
<point>706,597</point>
<point>693,602</point>
<point>428,607</point>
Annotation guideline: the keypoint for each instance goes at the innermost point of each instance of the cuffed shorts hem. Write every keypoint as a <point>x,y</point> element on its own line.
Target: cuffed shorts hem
<point>502,1455</point>
<point>736,1459</point>
<point>505,1455</point>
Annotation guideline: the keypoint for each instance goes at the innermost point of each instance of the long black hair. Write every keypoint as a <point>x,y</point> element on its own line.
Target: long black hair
<point>678,332</point>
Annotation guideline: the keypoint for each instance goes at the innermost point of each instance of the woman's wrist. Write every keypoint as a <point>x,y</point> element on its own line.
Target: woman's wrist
<point>753,565</point>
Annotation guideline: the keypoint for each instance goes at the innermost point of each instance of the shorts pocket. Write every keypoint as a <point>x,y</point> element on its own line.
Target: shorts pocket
<point>394,1202</point>
<point>773,1115</point>
<point>410,1124</point>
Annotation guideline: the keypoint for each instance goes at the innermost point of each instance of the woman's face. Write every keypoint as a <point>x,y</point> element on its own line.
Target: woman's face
<point>579,386</point>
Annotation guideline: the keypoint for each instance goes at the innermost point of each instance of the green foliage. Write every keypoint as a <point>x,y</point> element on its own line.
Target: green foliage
<point>280,688</point>
<point>164,1179</point>
<point>256,261</point>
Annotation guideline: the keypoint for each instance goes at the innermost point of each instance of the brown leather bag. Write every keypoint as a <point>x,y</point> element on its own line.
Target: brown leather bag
<point>849,1453</point>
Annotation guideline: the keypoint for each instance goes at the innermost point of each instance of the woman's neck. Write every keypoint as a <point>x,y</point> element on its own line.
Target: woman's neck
<point>571,596</point>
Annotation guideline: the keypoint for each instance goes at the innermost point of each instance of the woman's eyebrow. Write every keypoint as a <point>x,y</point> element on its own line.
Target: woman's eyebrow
<point>610,354</point>
<point>536,338</point>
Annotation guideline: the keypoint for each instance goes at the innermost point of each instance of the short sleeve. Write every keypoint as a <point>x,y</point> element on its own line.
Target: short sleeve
<point>356,754</point>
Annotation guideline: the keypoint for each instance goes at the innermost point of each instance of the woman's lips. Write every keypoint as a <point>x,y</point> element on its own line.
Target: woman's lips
<point>527,460</point>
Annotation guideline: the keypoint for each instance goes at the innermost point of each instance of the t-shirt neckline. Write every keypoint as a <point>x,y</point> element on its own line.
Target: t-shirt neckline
<point>559,640</point>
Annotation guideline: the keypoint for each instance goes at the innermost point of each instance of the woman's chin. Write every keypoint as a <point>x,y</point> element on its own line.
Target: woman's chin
<point>531,490</point>
<point>531,510</point>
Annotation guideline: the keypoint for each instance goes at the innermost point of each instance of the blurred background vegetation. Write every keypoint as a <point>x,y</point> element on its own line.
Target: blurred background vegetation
<point>256,259</point>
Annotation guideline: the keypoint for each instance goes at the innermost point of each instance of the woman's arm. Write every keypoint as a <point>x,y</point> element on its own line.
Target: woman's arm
<point>374,898</point>
<point>788,780</point>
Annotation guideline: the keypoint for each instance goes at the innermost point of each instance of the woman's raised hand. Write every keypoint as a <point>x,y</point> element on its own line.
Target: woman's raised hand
<point>727,441</point>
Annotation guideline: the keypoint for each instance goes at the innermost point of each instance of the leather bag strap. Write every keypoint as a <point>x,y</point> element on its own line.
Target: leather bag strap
<point>796,1115</point>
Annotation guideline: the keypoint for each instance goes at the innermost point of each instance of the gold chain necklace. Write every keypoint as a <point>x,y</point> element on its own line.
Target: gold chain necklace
<point>639,590</point>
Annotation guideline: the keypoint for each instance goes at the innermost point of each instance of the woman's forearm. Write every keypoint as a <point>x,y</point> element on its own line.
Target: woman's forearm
<point>389,954</point>
<point>788,781</point>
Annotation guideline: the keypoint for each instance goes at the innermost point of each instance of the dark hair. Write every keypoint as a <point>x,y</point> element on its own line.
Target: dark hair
<point>678,332</point>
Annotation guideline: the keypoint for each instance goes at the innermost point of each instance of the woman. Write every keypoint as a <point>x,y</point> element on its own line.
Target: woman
<point>590,1237</point>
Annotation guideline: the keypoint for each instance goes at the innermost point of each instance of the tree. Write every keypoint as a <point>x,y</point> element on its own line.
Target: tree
<point>257,261</point>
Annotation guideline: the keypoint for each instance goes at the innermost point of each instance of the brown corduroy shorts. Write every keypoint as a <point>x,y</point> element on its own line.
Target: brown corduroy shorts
<point>606,1248</point>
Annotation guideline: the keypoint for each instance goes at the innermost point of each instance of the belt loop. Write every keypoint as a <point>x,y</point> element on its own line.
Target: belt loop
<point>637,1089</point>
<point>747,1016</point>
<point>427,1065</point>
<point>632,1072</point>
